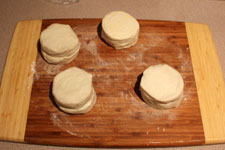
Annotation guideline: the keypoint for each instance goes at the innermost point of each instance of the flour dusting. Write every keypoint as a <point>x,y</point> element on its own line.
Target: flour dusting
<point>33,70</point>
<point>184,65</point>
<point>136,103</point>
<point>91,47</point>
<point>63,122</point>
<point>163,113</point>
<point>187,48</point>
<point>136,59</point>
<point>154,142</point>
<point>180,55</point>
<point>32,66</point>
<point>81,28</point>
<point>31,76</point>
<point>52,69</point>
<point>187,94</point>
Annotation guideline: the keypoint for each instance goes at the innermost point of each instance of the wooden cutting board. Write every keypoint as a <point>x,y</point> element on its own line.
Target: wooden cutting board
<point>119,118</point>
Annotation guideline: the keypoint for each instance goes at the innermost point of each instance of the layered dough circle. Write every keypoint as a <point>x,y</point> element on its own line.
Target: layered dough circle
<point>119,29</point>
<point>59,44</point>
<point>73,91</point>
<point>162,87</point>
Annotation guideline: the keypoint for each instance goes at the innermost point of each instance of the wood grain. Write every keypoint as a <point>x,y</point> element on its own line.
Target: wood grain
<point>209,80</point>
<point>119,118</point>
<point>17,80</point>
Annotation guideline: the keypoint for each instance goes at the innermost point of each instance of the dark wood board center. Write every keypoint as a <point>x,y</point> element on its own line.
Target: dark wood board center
<point>119,118</point>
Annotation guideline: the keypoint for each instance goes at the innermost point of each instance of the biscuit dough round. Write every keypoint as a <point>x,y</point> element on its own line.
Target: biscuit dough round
<point>84,109</point>
<point>59,59</point>
<point>158,105</point>
<point>162,86</point>
<point>72,88</point>
<point>119,29</point>
<point>58,39</point>
<point>59,44</point>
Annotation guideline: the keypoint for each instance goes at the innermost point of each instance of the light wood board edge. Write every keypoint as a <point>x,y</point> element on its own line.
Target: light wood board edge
<point>17,80</point>
<point>209,82</point>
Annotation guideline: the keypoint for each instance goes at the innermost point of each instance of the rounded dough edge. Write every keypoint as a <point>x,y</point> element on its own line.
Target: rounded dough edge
<point>157,105</point>
<point>72,87</point>
<point>133,26</point>
<point>147,86</point>
<point>86,108</point>
<point>120,44</point>
<point>58,39</point>
<point>60,59</point>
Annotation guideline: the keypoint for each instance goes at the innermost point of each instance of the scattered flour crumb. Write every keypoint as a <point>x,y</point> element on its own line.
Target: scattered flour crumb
<point>65,124</point>
<point>52,69</point>
<point>184,65</point>
<point>36,76</point>
<point>32,66</point>
<point>154,142</point>
<point>180,55</point>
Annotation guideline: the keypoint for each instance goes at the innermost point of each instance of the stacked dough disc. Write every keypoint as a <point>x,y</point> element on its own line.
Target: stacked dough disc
<point>59,44</point>
<point>162,87</point>
<point>120,30</point>
<point>73,91</point>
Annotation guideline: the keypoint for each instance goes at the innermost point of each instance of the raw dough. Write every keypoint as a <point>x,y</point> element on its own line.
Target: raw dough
<point>59,59</point>
<point>72,88</point>
<point>58,39</point>
<point>162,86</point>
<point>84,109</point>
<point>158,105</point>
<point>59,44</point>
<point>119,29</point>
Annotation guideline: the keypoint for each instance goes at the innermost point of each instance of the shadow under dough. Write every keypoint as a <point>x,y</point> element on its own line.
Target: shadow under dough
<point>137,87</point>
<point>99,31</point>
